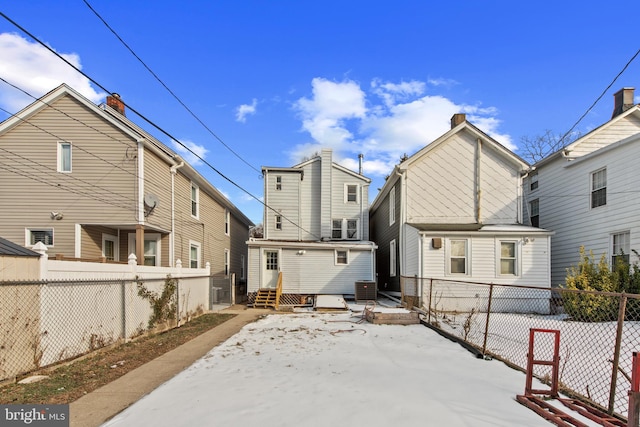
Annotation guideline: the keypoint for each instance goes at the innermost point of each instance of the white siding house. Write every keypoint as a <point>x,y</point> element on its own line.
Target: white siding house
<point>587,191</point>
<point>452,211</point>
<point>316,230</point>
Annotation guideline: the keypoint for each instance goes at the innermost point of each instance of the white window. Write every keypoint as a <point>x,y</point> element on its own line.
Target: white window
<point>533,181</point>
<point>227,222</point>
<point>350,193</point>
<point>278,182</point>
<point>226,263</point>
<point>342,257</point>
<point>392,258</point>
<point>599,188</point>
<point>242,266</point>
<point>110,247</point>
<point>194,254</point>
<point>336,229</point>
<point>392,205</point>
<point>278,222</point>
<point>151,247</point>
<point>508,258</point>
<point>195,200</point>
<point>620,247</point>
<point>352,229</point>
<point>64,157</point>
<point>534,212</point>
<point>35,235</point>
<point>458,260</point>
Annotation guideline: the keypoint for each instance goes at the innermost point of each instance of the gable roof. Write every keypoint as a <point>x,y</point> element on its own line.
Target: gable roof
<point>299,168</point>
<point>10,248</point>
<point>465,126</point>
<point>635,110</point>
<point>129,128</point>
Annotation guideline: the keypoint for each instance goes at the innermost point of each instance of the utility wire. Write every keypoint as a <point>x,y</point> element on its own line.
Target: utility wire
<point>167,88</point>
<point>598,99</point>
<point>150,122</point>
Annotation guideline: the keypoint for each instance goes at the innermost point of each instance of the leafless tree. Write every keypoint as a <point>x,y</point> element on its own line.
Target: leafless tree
<point>536,148</point>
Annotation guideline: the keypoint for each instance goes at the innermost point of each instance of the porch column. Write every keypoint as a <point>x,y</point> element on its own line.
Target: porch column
<point>140,243</point>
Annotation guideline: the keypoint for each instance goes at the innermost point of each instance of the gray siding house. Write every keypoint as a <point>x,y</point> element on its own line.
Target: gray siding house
<point>587,193</point>
<point>452,211</point>
<point>90,184</point>
<point>316,230</point>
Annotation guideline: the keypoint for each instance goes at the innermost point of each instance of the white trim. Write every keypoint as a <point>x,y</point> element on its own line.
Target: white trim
<point>227,222</point>
<point>467,257</point>
<point>195,187</point>
<point>227,261</point>
<point>335,256</point>
<point>392,206</point>
<point>198,246</point>
<point>29,230</point>
<point>393,258</point>
<point>60,157</point>
<point>591,190</point>
<point>140,171</point>
<point>346,193</point>
<point>517,245</point>
<point>114,239</point>
<point>78,241</point>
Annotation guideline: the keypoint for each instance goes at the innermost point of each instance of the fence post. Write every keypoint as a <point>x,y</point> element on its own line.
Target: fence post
<point>486,324</point>
<point>616,354</point>
<point>429,308</point>
<point>123,301</point>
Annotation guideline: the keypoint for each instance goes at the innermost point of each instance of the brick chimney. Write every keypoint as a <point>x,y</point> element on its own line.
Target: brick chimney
<point>456,119</point>
<point>116,103</point>
<point>622,101</point>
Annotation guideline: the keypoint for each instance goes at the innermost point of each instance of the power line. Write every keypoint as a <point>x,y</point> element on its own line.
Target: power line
<point>150,122</point>
<point>167,87</point>
<point>598,99</point>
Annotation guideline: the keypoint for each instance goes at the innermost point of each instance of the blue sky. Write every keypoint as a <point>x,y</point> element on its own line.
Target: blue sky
<point>276,81</point>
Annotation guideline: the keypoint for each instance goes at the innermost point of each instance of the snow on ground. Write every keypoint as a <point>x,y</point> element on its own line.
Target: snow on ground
<point>321,369</point>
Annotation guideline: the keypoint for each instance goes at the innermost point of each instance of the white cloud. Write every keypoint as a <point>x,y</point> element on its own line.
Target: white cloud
<point>245,109</point>
<point>390,120</point>
<point>37,71</point>
<point>189,156</point>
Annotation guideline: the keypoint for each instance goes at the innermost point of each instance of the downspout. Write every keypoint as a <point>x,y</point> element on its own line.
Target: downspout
<point>265,228</point>
<point>401,223</point>
<point>478,178</point>
<point>172,237</point>
<point>141,219</point>
<point>300,208</point>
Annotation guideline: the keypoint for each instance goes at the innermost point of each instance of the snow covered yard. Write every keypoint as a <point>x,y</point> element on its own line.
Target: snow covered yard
<point>318,369</point>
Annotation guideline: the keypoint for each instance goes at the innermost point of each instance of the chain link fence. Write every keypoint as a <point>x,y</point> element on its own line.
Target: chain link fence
<point>599,331</point>
<point>44,323</point>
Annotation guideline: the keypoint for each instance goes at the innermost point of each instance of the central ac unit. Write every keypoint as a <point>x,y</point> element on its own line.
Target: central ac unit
<point>366,290</point>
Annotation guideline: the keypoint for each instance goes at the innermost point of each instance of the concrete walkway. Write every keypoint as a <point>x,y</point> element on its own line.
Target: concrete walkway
<point>100,405</point>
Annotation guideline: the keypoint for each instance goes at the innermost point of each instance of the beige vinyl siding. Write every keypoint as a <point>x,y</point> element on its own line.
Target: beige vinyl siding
<point>100,188</point>
<point>617,131</point>
<point>499,186</point>
<point>442,189</point>
<point>91,241</point>
<point>157,181</point>
<point>411,250</point>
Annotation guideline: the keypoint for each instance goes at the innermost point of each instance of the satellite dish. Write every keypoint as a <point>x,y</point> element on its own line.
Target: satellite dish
<point>150,200</point>
<point>150,203</point>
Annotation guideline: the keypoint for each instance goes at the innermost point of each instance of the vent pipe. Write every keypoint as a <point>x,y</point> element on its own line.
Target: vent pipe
<point>360,157</point>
